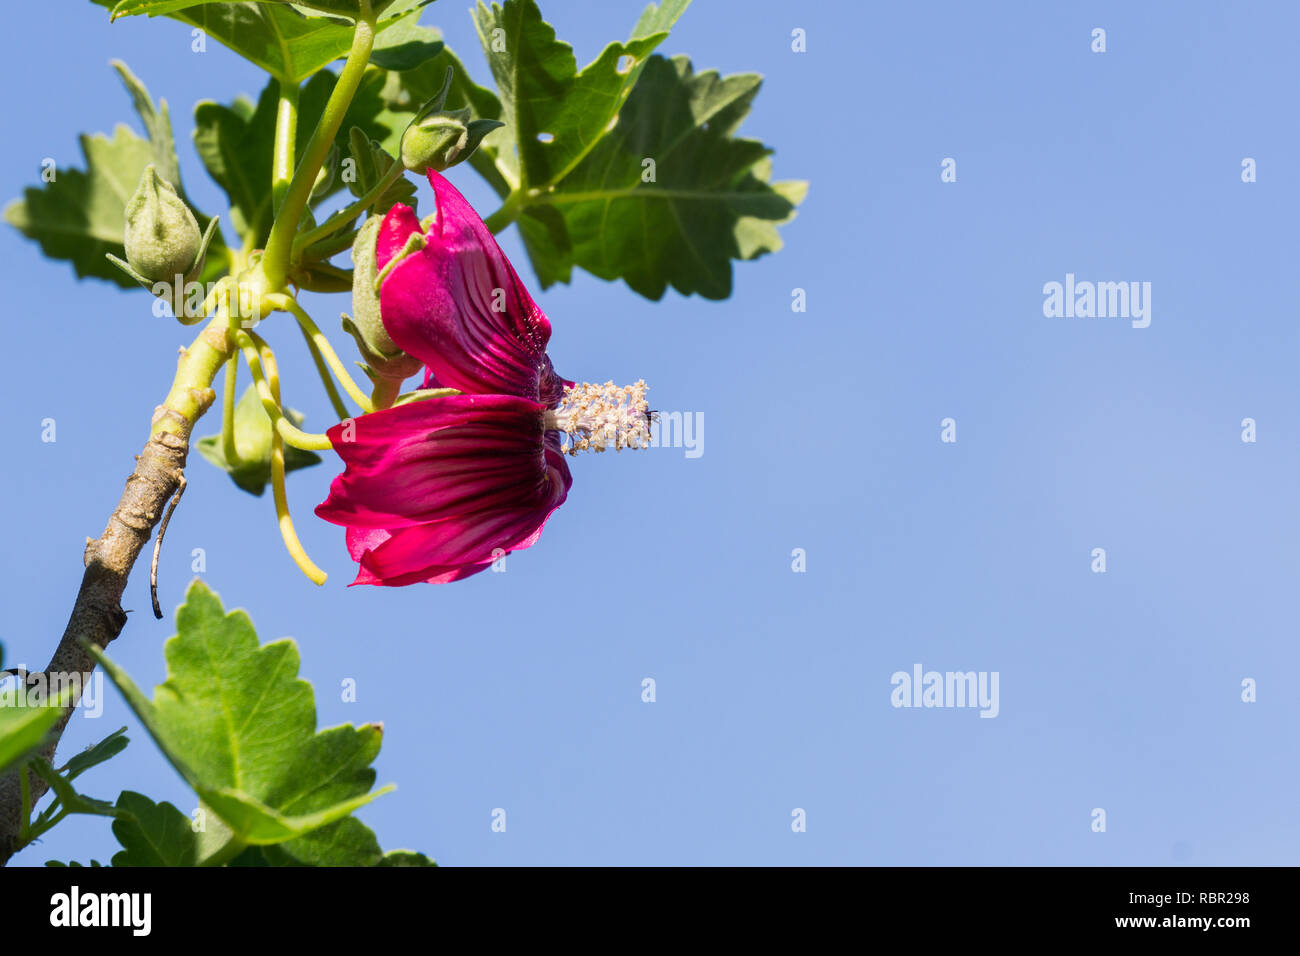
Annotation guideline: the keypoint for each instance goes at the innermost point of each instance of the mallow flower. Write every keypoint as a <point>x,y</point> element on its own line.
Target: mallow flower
<point>438,488</point>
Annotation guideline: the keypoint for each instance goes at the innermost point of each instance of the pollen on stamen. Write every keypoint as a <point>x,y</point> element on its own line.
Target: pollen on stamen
<point>597,417</point>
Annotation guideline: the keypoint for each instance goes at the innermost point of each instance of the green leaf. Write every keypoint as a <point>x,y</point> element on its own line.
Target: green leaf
<point>571,162</point>
<point>352,8</point>
<point>79,215</point>
<point>405,858</point>
<point>554,113</point>
<point>709,199</point>
<point>282,39</point>
<point>153,834</point>
<point>233,142</point>
<point>109,747</point>
<point>253,444</point>
<point>153,8</point>
<point>257,824</point>
<point>73,863</point>
<point>157,125</point>
<point>238,724</point>
<point>406,91</point>
<point>370,164</point>
<point>405,46</point>
<point>349,842</point>
<point>67,799</point>
<point>236,142</point>
<point>22,727</point>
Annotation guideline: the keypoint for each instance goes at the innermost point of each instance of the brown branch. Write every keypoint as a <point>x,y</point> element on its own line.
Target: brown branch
<point>97,616</point>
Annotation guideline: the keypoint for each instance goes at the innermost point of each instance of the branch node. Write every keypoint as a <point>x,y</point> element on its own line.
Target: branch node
<point>218,338</point>
<point>203,397</point>
<point>164,412</point>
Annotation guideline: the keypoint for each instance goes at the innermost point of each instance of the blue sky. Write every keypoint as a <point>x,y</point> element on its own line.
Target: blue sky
<point>522,690</point>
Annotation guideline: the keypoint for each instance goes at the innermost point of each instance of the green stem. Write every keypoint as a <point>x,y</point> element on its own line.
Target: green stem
<point>191,391</point>
<point>286,140</point>
<point>326,271</point>
<point>228,448</point>
<point>283,518</point>
<point>324,249</point>
<point>508,212</point>
<point>315,281</point>
<point>385,392</point>
<point>221,857</point>
<point>323,371</point>
<point>286,303</point>
<point>286,429</point>
<point>351,211</point>
<point>279,245</point>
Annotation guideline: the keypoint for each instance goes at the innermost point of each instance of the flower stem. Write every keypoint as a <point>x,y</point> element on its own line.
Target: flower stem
<point>385,392</point>
<point>351,211</point>
<point>508,213</point>
<point>286,303</point>
<point>279,245</point>
<point>283,427</point>
<point>228,448</point>
<point>327,248</point>
<point>323,277</point>
<point>287,532</point>
<point>286,139</point>
<point>323,371</point>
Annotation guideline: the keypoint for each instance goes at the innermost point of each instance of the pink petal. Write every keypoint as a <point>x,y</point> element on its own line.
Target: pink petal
<point>435,487</point>
<point>458,305</point>
<point>397,227</point>
<point>430,575</point>
<point>435,458</point>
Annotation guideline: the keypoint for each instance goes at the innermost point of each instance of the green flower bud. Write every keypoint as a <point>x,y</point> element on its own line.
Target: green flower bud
<point>438,138</point>
<point>162,236</point>
<point>443,139</point>
<point>384,358</point>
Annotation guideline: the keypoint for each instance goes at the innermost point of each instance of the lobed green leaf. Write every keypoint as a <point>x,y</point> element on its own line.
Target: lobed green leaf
<point>670,195</point>
<point>630,167</point>
<point>287,40</point>
<point>238,724</point>
<point>153,834</point>
<point>79,215</point>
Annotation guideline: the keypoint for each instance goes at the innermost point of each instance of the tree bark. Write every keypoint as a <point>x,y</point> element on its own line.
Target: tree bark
<point>97,616</point>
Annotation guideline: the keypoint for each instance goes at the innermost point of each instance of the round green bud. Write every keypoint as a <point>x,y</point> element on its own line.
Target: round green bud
<point>162,236</point>
<point>366,325</point>
<point>442,139</point>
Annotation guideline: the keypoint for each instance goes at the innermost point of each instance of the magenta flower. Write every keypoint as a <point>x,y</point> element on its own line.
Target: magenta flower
<point>457,304</point>
<point>437,489</point>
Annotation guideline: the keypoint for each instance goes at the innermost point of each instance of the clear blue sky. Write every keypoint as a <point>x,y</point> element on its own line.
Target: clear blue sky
<point>822,431</point>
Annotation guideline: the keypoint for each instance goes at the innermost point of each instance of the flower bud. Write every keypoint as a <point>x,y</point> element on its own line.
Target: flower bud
<point>443,139</point>
<point>162,236</point>
<point>382,355</point>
